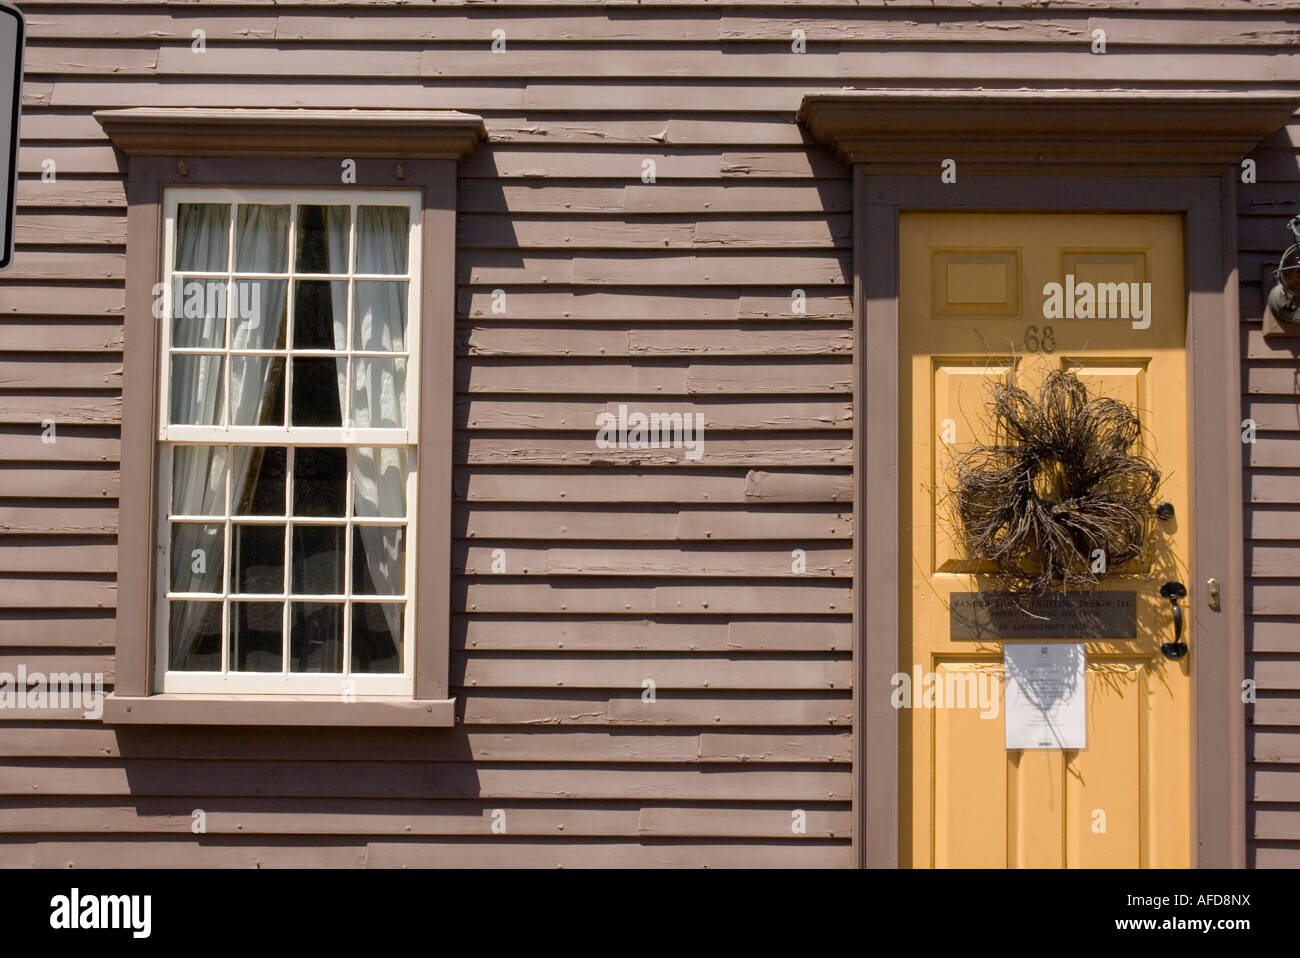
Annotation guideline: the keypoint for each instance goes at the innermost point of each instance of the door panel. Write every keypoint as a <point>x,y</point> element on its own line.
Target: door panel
<point>960,390</point>
<point>971,299</point>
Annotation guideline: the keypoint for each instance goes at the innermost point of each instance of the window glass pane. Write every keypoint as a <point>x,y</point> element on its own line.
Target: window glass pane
<point>378,481</point>
<point>260,473</point>
<point>198,313</point>
<point>318,560</point>
<point>257,559</point>
<point>378,393</point>
<point>257,311</point>
<point>377,637</point>
<point>322,239</point>
<point>320,481</point>
<point>202,237</point>
<point>379,315</point>
<point>378,560</point>
<point>198,554</point>
<point>194,636</point>
<point>291,505</point>
<point>320,314</point>
<point>257,390</point>
<point>316,637</point>
<point>382,233</point>
<point>198,480</point>
<point>198,390</point>
<point>256,636</point>
<point>316,387</point>
<point>262,238</point>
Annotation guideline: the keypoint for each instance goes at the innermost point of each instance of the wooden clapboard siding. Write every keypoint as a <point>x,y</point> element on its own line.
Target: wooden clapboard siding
<point>1271,399</point>
<point>726,415</point>
<point>53,851</point>
<point>621,566</point>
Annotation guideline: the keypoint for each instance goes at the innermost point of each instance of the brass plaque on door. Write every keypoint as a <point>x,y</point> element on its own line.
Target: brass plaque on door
<point>1008,615</point>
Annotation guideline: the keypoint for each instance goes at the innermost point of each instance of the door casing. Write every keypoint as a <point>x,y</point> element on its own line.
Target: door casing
<point>1208,207</point>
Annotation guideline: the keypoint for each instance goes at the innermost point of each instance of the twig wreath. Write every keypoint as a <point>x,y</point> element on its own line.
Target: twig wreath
<point>1062,478</point>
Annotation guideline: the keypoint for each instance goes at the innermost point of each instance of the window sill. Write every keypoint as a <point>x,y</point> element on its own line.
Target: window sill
<point>315,710</point>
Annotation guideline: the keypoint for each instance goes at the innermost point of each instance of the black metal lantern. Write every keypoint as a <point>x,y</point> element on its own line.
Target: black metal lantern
<point>1284,298</point>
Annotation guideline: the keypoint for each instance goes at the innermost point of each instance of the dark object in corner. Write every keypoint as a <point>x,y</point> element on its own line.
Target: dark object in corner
<point>1282,304</point>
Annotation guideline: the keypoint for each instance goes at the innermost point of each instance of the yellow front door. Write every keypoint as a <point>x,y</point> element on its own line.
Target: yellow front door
<point>972,310</point>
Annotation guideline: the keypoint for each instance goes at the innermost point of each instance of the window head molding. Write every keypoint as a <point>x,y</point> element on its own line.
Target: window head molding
<point>415,134</point>
<point>1100,133</point>
<point>394,150</point>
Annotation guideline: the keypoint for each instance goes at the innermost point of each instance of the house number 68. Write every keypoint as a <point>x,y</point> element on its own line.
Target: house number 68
<point>1033,342</point>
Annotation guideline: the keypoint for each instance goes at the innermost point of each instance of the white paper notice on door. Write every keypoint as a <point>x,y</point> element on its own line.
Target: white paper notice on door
<point>1044,695</point>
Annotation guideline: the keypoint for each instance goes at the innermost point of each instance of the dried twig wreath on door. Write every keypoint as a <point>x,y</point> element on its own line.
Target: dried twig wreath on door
<point>1062,477</point>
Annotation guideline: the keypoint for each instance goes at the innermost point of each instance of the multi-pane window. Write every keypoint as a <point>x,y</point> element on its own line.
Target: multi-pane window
<point>288,441</point>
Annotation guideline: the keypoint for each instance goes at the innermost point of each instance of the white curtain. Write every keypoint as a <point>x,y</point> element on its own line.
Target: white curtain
<point>378,393</point>
<point>198,472</point>
<point>377,390</point>
<point>257,310</point>
<point>202,237</point>
<point>198,313</point>
<point>198,488</point>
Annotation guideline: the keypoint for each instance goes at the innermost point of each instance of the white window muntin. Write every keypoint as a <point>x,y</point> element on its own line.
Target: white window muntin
<point>331,683</point>
<point>325,683</point>
<point>288,434</point>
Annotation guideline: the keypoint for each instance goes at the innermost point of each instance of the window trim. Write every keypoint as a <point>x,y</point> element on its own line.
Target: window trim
<point>411,150</point>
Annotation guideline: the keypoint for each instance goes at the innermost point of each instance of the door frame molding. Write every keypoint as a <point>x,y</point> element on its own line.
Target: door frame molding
<point>1218,717</point>
<point>1043,153</point>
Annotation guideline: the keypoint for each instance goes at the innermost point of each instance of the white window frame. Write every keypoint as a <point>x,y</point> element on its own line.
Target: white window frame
<point>226,682</point>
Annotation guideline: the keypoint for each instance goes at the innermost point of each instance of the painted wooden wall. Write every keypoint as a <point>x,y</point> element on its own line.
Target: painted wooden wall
<point>1271,397</point>
<point>667,296</point>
